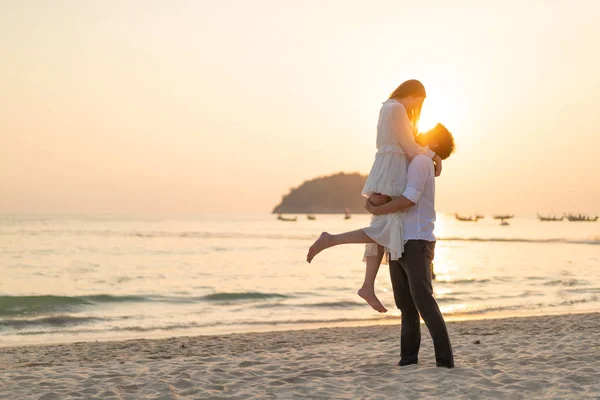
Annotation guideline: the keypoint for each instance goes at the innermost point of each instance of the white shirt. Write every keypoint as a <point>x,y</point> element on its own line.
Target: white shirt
<point>420,189</point>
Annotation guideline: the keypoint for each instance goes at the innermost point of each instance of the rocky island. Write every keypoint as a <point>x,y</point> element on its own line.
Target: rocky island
<point>325,195</point>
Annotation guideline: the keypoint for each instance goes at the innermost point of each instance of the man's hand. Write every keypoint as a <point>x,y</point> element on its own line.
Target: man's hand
<point>397,205</point>
<point>370,207</point>
<point>438,165</point>
<point>375,201</point>
<point>379,199</point>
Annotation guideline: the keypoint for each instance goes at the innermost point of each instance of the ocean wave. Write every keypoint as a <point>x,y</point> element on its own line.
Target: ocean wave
<point>26,305</point>
<point>578,301</point>
<point>593,241</point>
<point>332,304</point>
<point>326,305</point>
<point>48,304</point>
<point>241,296</point>
<point>484,310</point>
<point>273,236</point>
<point>198,325</point>
<point>444,299</point>
<point>514,307</point>
<point>584,290</point>
<point>159,234</point>
<point>80,325</point>
<point>61,321</point>
<point>462,281</point>
<point>565,282</point>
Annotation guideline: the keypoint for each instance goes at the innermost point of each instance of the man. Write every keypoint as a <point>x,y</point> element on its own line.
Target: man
<point>411,274</point>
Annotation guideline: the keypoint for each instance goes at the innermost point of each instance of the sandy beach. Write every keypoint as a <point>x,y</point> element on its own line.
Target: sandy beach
<point>549,357</point>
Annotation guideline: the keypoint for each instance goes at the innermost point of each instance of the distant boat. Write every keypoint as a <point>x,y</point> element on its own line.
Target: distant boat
<point>287,219</point>
<point>466,219</point>
<point>581,218</point>
<point>311,217</point>
<point>550,218</point>
<point>503,216</point>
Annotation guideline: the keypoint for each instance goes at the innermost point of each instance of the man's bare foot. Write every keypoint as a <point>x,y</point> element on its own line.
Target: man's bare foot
<point>323,242</point>
<point>373,301</point>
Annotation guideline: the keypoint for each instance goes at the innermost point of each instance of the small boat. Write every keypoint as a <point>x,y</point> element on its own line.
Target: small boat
<point>503,219</point>
<point>581,218</point>
<point>503,216</point>
<point>550,218</point>
<point>311,217</point>
<point>287,219</point>
<point>466,219</point>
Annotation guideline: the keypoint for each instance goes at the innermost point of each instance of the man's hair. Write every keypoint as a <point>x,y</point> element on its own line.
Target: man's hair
<point>444,139</point>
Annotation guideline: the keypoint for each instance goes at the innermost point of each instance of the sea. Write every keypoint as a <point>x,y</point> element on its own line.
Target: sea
<point>84,278</point>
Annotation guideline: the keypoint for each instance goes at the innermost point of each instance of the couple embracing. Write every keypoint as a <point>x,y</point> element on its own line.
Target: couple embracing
<point>400,192</point>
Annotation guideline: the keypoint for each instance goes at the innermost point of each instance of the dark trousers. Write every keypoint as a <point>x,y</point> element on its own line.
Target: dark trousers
<point>413,293</point>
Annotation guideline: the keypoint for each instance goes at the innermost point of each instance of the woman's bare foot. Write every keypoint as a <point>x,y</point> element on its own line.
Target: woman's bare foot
<point>370,298</point>
<point>323,242</point>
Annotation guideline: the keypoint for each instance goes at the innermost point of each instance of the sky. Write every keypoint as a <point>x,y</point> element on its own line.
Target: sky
<point>193,107</point>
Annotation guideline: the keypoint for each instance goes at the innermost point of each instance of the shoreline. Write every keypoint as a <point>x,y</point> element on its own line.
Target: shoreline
<point>266,328</point>
<point>516,357</point>
<point>297,328</point>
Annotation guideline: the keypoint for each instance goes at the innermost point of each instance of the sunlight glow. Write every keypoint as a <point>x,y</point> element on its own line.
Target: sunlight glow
<point>438,110</point>
<point>452,308</point>
<point>446,103</point>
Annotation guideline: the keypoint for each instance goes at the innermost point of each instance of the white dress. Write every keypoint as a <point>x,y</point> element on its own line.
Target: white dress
<point>396,146</point>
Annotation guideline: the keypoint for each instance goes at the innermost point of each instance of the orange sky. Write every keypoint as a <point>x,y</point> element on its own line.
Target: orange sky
<point>203,106</point>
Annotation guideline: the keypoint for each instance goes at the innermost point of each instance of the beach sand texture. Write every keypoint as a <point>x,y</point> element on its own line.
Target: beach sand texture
<point>548,357</point>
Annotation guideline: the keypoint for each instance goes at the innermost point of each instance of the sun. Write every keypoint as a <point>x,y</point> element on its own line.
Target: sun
<point>429,118</point>
<point>433,112</point>
<point>440,109</point>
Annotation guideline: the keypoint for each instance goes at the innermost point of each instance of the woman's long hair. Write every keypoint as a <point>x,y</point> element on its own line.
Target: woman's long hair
<point>412,88</point>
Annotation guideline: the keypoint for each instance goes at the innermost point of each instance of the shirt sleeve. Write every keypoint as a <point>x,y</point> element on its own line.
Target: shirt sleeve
<point>419,171</point>
<point>403,130</point>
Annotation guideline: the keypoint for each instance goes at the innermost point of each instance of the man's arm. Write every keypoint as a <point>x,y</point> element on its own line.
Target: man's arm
<point>419,170</point>
<point>400,204</point>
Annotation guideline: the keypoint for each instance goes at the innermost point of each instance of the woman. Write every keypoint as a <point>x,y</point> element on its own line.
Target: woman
<point>396,146</point>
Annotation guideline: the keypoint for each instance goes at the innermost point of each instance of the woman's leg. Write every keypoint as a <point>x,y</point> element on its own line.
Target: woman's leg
<point>367,291</point>
<point>327,240</point>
